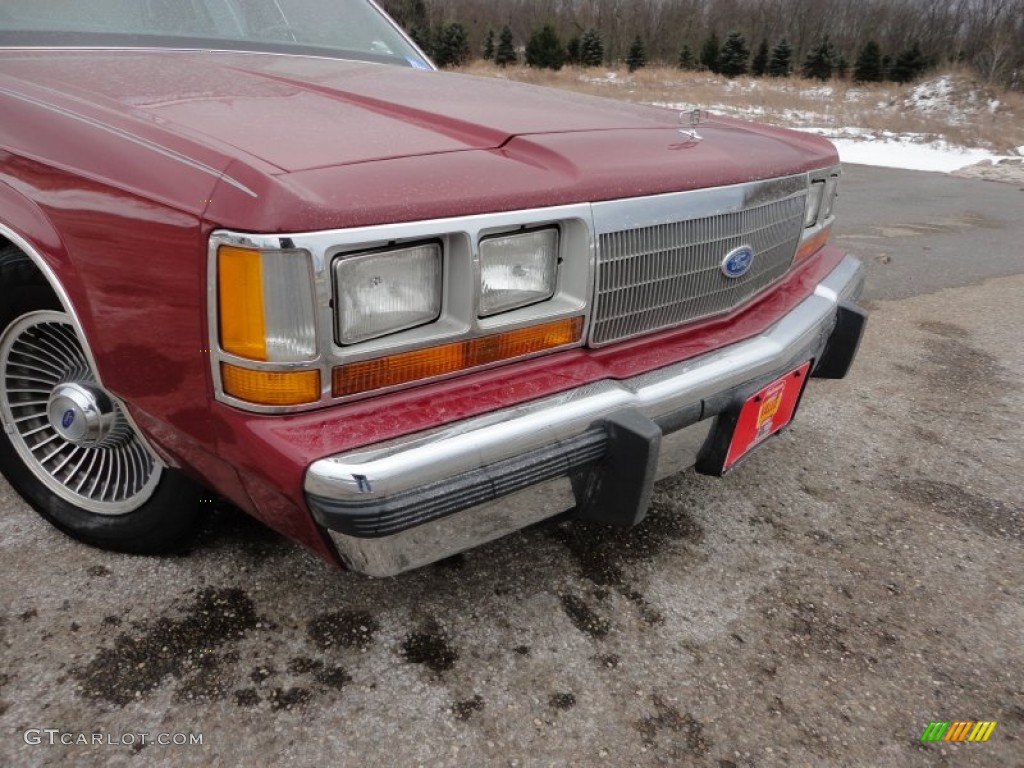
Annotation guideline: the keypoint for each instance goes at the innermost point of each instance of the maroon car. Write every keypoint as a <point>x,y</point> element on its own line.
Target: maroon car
<point>261,248</point>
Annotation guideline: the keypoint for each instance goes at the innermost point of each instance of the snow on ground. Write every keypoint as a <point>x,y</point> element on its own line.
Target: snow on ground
<point>912,151</point>
<point>934,156</point>
<point>949,99</point>
<point>909,151</point>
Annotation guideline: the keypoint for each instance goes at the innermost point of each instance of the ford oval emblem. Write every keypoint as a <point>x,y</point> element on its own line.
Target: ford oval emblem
<point>738,261</point>
<point>68,418</point>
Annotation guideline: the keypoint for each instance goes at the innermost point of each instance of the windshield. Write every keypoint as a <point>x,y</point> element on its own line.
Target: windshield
<point>339,28</point>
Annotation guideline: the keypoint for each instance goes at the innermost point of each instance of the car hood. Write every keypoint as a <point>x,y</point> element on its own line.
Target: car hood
<point>299,113</point>
<point>274,143</point>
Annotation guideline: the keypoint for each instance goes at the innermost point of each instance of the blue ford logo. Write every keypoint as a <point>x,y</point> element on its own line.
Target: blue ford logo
<point>738,261</point>
<point>68,418</point>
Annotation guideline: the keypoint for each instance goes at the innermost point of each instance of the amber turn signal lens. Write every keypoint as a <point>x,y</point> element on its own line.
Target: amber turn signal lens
<point>270,387</point>
<point>813,244</point>
<point>240,294</point>
<point>448,358</point>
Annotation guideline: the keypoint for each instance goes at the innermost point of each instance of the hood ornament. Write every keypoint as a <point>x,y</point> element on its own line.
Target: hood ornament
<point>695,117</point>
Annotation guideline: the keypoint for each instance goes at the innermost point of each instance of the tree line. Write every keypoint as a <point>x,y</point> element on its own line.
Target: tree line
<point>869,40</point>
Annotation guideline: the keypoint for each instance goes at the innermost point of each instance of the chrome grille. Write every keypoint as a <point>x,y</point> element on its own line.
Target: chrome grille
<point>655,277</point>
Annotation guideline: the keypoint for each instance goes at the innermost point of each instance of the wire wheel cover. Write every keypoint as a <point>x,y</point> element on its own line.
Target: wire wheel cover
<point>117,474</point>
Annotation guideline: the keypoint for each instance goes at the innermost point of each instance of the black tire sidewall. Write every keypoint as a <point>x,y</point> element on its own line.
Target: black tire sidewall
<point>162,523</point>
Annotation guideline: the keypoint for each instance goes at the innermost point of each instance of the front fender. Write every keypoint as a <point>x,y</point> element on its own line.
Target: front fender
<point>26,225</point>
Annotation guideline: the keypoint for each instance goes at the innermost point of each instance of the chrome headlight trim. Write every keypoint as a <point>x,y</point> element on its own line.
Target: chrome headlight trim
<point>459,239</point>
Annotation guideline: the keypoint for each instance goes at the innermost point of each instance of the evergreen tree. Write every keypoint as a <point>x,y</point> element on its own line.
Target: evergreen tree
<point>572,50</point>
<point>868,67</point>
<point>545,50</point>
<point>759,66</point>
<point>452,46</point>
<point>489,46</point>
<point>412,15</point>
<point>637,56</point>
<point>591,49</point>
<point>842,67</point>
<point>820,61</point>
<point>710,52</point>
<point>505,53</point>
<point>781,62</point>
<point>908,65</point>
<point>424,38</point>
<point>732,61</point>
<point>686,59</point>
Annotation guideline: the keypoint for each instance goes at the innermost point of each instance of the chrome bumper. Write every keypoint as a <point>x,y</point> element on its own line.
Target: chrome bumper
<point>411,501</point>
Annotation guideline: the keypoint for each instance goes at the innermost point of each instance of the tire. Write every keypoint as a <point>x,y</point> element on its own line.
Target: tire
<point>67,446</point>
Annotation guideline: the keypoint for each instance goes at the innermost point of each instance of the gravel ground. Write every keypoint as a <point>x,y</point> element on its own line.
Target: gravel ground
<point>1007,170</point>
<point>855,580</point>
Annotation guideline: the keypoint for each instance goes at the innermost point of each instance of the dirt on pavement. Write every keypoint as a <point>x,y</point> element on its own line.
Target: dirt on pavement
<point>855,580</point>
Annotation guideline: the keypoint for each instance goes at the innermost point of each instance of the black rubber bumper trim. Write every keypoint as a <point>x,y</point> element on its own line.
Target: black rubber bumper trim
<point>618,490</point>
<point>843,343</point>
<point>393,514</point>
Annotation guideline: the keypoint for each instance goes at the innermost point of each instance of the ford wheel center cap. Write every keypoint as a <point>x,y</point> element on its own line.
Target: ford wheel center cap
<point>738,261</point>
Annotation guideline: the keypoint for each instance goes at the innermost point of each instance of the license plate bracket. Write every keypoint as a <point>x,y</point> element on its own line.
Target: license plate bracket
<point>764,413</point>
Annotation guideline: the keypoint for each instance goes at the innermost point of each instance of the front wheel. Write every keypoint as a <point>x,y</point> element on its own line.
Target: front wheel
<point>69,448</point>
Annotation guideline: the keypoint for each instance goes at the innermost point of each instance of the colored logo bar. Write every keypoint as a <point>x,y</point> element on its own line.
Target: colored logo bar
<point>959,730</point>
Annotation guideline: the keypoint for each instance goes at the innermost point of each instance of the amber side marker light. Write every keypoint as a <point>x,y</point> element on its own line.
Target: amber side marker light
<point>240,295</point>
<point>270,387</point>
<point>448,358</point>
<point>813,244</point>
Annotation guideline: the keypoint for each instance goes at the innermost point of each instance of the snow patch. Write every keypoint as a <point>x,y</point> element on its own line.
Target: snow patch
<point>900,153</point>
<point>608,78</point>
<point>932,95</point>
<point>949,98</point>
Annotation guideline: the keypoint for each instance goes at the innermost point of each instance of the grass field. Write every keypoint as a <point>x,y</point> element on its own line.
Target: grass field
<point>953,106</point>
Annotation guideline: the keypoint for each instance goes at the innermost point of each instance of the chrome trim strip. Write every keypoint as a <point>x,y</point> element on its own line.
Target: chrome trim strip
<point>420,460</point>
<point>639,212</point>
<point>152,146</point>
<point>447,536</point>
<point>171,49</point>
<point>403,34</point>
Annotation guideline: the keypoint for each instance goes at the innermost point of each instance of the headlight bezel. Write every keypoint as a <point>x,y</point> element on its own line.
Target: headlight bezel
<point>822,192</point>
<point>458,320</point>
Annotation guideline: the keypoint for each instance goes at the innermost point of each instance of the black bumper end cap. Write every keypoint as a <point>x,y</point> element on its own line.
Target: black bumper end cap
<point>843,342</point>
<point>618,490</point>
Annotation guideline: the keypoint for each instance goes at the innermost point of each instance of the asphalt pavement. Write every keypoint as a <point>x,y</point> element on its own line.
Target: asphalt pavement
<point>854,581</point>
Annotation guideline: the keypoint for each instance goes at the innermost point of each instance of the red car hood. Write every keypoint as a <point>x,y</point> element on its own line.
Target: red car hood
<point>298,113</point>
<point>304,143</point>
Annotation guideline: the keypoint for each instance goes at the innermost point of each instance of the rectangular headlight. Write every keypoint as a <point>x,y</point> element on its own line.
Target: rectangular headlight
<point>517,270</point>
<point>266,304</point>
<point>385,292</point>
<point>814,196</point>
